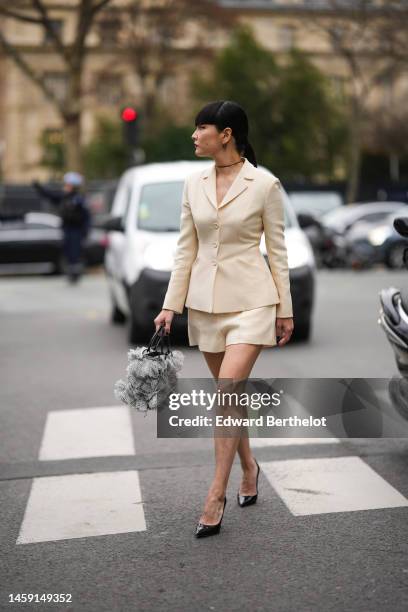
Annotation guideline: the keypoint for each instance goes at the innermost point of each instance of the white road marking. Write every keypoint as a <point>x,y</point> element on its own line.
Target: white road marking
<point>87,432</point>
<point>86,505</point>
<point>82,505</point>
<point>336,484</point>
<point>263,442</point>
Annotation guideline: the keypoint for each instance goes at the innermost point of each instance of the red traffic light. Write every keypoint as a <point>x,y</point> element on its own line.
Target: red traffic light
<point>129,114</point>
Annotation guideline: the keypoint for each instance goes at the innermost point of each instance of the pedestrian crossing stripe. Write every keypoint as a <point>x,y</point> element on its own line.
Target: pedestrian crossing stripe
<point>106,503</point>
<point>83,505</point>
<point>330,484</point>
<point>87,432</point>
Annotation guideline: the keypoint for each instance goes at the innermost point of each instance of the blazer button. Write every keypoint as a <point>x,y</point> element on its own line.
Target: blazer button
<point>216,225</point>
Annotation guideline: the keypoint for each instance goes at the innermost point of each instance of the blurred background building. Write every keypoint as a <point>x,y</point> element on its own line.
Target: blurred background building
<point>66,74</point>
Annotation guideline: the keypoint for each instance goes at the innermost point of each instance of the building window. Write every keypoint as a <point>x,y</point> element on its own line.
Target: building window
<point>57,25</point>
<point>168,89</point>
<point>388,90</point>
<point>108,30</point>
<point>286,36</point>
<point>109,89</point>
<point>58,83</point>
<point>52,144</point>
<point>338,85</point>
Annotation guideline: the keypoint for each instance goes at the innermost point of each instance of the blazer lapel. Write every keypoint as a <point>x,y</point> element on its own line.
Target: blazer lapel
<point>239,184</point>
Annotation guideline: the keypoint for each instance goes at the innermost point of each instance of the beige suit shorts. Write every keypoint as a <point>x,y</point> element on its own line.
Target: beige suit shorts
<point>213,331</point>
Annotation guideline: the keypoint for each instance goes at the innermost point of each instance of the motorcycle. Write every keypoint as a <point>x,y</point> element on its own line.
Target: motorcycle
<point>330,248</point>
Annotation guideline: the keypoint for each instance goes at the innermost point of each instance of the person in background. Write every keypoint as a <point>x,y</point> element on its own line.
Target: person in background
<point>76,220</point>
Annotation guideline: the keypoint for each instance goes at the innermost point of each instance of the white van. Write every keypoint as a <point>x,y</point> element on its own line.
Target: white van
<point>143,228</point>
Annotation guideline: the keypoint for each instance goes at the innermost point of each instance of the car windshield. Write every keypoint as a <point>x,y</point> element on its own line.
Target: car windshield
<point>160,207</point>
<point>317,202</point>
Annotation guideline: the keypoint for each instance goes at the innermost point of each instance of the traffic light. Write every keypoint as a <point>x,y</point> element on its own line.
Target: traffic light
<point>131,126</point>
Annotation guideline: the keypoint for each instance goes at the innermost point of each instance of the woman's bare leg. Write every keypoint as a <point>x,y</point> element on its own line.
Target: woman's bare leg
<point>248,464</point>
<point>236,364</point>
<point>214,361</point>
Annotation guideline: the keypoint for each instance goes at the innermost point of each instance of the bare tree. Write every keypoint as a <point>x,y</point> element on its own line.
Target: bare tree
<point>159,37</point>
<point>72,54</point>
<point>369,36</point>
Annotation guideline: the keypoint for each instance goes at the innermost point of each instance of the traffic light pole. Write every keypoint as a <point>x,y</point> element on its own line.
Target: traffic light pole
<point>132,123</point>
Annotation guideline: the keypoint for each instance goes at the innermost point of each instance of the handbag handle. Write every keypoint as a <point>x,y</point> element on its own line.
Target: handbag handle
<point>155,338</point>
<point>156,342</point>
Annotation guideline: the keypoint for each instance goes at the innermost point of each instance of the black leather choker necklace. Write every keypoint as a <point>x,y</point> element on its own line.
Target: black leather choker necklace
<point>238,162</point>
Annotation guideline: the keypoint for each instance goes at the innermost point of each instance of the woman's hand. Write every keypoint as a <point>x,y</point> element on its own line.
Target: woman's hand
<point>166,317</point>
<point>284,329</point>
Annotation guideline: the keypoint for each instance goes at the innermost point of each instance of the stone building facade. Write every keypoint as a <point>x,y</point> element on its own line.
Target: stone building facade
<point>110,80</point>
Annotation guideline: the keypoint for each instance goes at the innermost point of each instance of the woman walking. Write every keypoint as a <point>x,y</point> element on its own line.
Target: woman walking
<point>236,304</point>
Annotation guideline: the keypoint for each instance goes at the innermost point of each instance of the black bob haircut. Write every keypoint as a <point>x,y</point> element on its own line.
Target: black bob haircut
<point>226,113</point>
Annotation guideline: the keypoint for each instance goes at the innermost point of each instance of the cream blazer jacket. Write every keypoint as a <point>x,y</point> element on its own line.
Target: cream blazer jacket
<point>218,265</point>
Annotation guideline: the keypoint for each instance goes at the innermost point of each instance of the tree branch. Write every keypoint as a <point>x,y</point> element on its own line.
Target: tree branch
<point>46,22</point>
<point>20,16</point>
<point>99,5</point>
<point>28,71</point>
<point>83,25</point>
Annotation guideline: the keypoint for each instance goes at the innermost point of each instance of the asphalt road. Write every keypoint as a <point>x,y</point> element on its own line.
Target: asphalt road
<point>93,504</point>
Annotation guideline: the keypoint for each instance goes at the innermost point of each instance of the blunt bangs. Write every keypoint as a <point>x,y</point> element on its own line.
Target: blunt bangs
<point>208,114</point>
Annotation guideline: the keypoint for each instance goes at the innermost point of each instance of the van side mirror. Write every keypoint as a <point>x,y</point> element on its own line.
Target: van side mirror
<point>114,224</point>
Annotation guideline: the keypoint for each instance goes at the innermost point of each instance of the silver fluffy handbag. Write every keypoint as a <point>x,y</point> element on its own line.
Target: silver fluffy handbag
<point>151,374</point>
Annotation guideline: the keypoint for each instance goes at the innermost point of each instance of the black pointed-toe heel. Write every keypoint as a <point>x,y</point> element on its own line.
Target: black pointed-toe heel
<point>203,530</point>
<point>248,500</point>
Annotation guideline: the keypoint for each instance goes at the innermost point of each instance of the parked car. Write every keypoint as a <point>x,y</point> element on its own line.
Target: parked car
<point>143,233</point>
<point>374,243</point>
<point>18,199</point>
<point>32,242</point>
<point>343,219</point>
<point>316,203</point>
